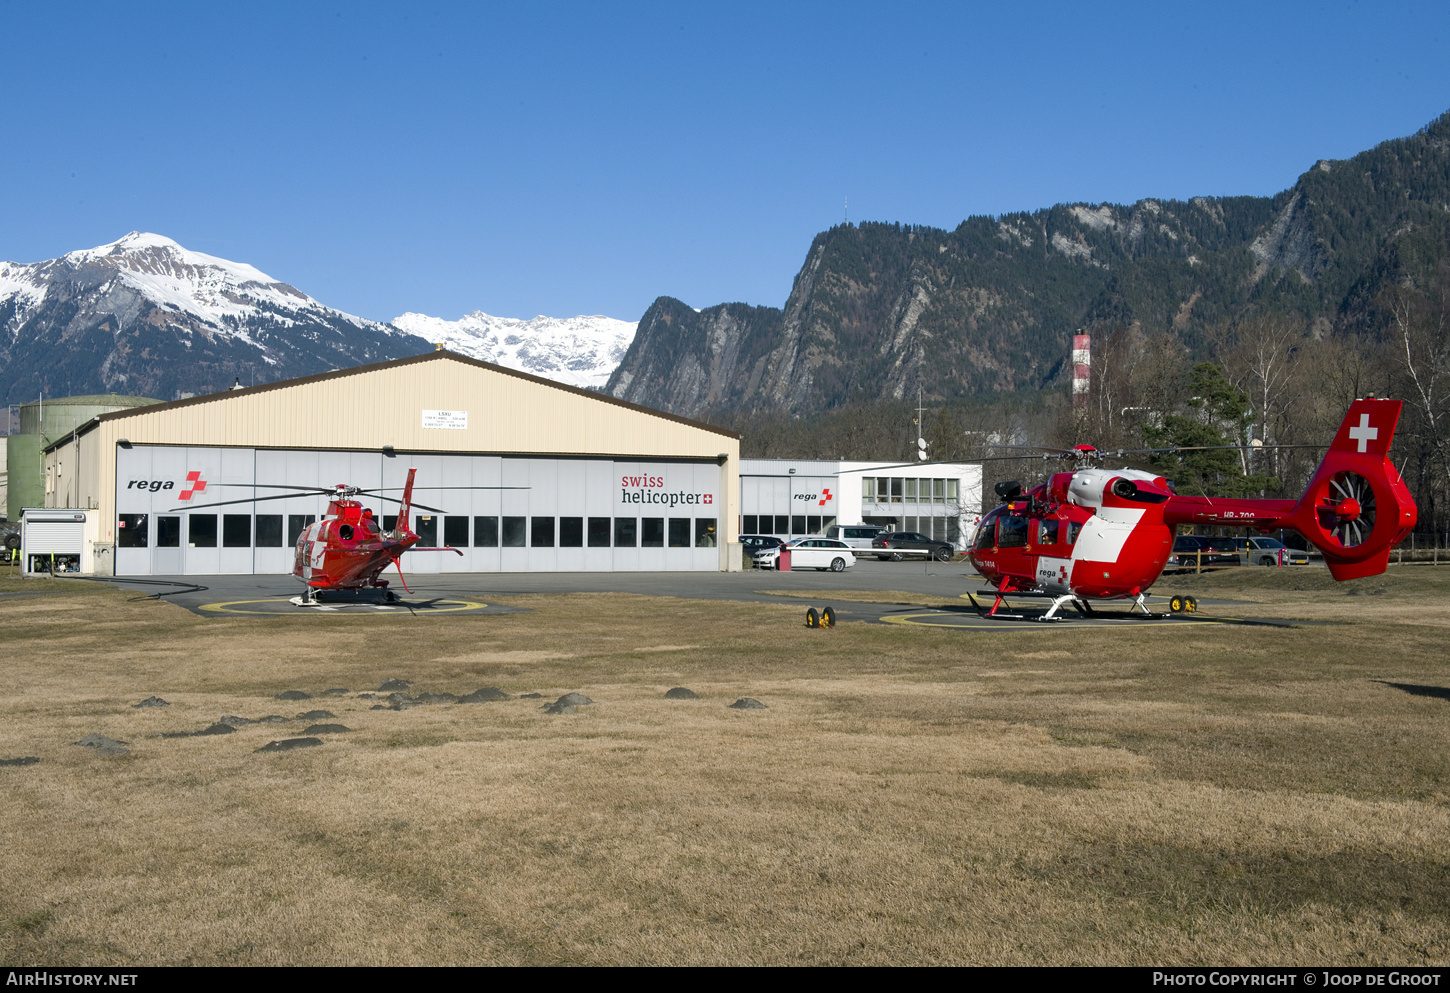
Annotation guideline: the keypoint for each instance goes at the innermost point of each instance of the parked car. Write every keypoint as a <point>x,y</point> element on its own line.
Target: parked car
<point>752,543</point>
<point>1216,551</point>
<point>1268,551</point>
<point>810,553</point>
<point>896,545</point>
<point>755,542</point>
<point>855,535</point>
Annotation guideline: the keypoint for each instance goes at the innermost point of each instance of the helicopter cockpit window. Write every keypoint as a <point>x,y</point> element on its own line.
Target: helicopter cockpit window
<point>1072,531</point>
<point>1012,532</point>
<point>1047,531</point>
<point>986,532</point>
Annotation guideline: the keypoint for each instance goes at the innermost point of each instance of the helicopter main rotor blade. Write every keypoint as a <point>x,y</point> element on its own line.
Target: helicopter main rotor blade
<point>287,496</point>
<point>415,505</point>
<point>228,503</point>
<point>275,486</point>
<point>420,486</point>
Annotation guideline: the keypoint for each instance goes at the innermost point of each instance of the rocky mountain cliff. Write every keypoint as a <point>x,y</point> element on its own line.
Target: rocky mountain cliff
<point>880,309</point>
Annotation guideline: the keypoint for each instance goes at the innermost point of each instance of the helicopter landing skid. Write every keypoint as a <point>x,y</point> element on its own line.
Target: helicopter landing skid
<point>1083,607</point>
<point>368,596</point>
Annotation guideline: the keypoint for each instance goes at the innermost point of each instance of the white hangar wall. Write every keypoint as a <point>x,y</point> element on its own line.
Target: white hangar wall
<point>580,459</point>
<point>793,497</point>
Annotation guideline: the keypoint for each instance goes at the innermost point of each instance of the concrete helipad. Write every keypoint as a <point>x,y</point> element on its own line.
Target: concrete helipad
<point>447,595</point>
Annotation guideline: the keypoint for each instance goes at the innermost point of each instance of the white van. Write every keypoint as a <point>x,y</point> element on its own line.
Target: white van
<point>855,535</point>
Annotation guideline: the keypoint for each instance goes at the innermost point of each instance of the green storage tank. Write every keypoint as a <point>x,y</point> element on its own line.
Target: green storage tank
<point>41,423</point>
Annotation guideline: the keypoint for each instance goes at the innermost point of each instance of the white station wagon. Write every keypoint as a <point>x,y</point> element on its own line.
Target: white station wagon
<point>810,553</point>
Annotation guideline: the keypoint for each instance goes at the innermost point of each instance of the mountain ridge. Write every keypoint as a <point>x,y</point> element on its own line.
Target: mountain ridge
<point>145,315</point>
<point>878,310</point>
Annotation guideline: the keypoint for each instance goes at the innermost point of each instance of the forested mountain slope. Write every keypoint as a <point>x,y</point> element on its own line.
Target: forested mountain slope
<point>880,309</point>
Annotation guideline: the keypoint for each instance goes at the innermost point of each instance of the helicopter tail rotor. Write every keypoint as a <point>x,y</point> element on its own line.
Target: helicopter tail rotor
<point>1357,507</point>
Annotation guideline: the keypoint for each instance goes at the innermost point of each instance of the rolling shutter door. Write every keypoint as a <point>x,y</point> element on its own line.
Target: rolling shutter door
<point>62,538</point>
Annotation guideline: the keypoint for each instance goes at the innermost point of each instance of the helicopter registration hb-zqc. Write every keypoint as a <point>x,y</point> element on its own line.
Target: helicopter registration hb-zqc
<point>1107,534</point>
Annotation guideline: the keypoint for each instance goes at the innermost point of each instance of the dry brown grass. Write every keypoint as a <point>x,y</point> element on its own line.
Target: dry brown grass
<point>1222,794</point>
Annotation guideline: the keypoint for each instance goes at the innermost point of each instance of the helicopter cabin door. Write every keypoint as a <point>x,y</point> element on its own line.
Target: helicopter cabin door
<point>1051,541</point>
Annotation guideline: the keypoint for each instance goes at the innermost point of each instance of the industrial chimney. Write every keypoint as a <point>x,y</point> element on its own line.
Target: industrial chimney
<point>1082,348</point>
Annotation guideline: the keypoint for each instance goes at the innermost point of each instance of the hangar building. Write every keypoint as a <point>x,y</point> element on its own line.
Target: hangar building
<point>790,497</point>
<point>520,473</point>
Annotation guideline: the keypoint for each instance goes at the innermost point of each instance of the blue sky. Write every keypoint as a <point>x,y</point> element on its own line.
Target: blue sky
<point>585,158</point>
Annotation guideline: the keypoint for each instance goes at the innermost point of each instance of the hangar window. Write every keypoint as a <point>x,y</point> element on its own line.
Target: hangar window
<point>679,532</point>
<point>704,532</point>
<point>813,524</point>
<point>269,530</point>
<point>237,530</point>
<point>911,489</point>
<point>868,489</point>
<point>652,533</point>
<point>751,524</point>
<point>201,530</point>
<point>390,523</point>
<point>168,532</point>
<point>542,532</point>
<point>954,491</point>
<point>427,528</point>
<point>571,532</point>
<point>598,532</point>
<point>896,482</point>
<point>624,532</point>
<point>798,524</point>
<point>132,530</point>
<point>514,532</point>
<point>455,532</point>
<point>782,524</point>
<point>485,532</point>
<point>297,523</point>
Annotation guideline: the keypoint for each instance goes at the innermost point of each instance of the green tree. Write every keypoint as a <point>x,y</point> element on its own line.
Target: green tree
<point>1208,459</point>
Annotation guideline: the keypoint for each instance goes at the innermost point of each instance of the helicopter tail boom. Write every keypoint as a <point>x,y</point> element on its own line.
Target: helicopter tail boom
<point>1355,509</point>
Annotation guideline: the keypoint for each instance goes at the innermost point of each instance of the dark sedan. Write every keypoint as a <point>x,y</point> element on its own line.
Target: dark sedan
<point>897,545</point>
<point>1216,551</point>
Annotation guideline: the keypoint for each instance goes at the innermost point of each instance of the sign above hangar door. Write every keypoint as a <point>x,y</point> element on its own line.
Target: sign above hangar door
<point>452,420</point>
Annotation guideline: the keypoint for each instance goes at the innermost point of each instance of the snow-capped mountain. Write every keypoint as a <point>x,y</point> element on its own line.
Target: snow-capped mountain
<point>580,351</point>
<point>145,316</point>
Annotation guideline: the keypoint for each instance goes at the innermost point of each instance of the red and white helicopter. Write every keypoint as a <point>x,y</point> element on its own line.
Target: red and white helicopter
<point>1107,534</point>
<point>347,551</point>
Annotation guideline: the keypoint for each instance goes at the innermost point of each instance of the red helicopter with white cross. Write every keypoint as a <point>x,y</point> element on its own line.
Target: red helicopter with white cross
<point>1107,534</point>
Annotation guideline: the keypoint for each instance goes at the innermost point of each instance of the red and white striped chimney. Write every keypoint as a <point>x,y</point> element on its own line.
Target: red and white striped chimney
<point>1082,352</point>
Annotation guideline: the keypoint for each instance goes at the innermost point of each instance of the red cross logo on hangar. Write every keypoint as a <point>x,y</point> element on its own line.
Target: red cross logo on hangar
<point>197,484</point>
<point>825,496</point>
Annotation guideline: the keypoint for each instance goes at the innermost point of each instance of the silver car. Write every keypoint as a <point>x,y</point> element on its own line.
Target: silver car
<point>1268,551</point>
<point>855,535</point>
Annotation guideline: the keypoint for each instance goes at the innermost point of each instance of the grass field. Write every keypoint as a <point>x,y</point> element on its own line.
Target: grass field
<point>1214,794</point>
